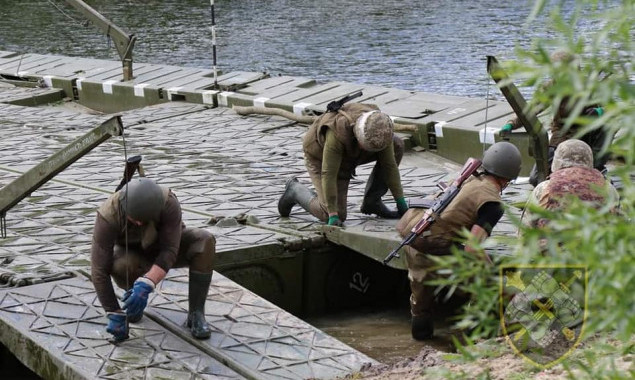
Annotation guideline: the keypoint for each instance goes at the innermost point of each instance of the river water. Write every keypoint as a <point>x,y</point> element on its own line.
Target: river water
<point>434,46</point>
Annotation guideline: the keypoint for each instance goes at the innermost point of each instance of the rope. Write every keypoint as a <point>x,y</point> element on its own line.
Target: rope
<point>211,2</point>
<point>62,12</point>
<point>125,155</point>
<point>486,112</point>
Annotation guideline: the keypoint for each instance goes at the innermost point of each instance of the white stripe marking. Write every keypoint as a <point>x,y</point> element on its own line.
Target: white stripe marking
<point>173,91</point>
<point>299,108</point>
<point>208,96</point>
<point>260,102</point>
<point>107,86</point>
<point>138,89</point>
<point>438,128</point>
<point>222,98</point>
<point>48,80</point>
<point>486,135</point>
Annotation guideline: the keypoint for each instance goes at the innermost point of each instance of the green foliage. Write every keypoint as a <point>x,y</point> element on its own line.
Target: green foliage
<point>580,234</point>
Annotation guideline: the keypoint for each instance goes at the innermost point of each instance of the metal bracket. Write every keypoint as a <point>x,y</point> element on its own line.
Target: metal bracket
<point>38,175</point>
<point>526,117</point>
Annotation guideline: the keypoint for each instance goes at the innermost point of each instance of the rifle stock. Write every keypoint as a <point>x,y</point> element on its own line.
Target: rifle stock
<point>440,203</point>
<point>335,105</point>
<point>132,164</point>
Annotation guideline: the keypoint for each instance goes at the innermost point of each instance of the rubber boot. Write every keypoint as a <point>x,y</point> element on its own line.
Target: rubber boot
<point>375,189</point>
<point>198,287</point>
<point>422,326</point>
<point>294,193</point>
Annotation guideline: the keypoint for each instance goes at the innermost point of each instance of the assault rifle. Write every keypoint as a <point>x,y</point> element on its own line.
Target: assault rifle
<point>132,165</point>
<point>335,105</point>
<point>440,203</point>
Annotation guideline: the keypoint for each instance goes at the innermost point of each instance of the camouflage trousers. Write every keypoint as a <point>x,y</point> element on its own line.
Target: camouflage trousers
<point>419,264</point>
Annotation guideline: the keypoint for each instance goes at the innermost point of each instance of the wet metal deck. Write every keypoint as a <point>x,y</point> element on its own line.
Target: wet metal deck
<point>452,127</point>
<point>223,167</point>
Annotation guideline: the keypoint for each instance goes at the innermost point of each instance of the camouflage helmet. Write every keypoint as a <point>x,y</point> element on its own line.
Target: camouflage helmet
<point>142,200</point>
<point>502,160</point>
<point>570,153</point>
<point>374,131</point>
<point>565,58</point>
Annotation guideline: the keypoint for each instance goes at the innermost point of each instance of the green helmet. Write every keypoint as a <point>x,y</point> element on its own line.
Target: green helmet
<point>142,199</point>
<point>374,131</point>
<point>502,160</point>
<point>572,153</point>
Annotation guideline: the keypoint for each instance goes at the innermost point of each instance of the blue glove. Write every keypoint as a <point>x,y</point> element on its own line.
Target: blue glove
<point>507,128</point>
<point>138,299</point>
<point>117,326</point>
<point>402,206</point>
<point>334,221</point>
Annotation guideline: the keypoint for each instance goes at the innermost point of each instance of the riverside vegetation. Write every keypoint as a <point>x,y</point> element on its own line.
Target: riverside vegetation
<point>580,235</point>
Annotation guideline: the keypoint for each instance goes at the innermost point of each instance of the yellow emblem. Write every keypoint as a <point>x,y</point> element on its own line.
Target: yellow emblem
<point>543,310</point>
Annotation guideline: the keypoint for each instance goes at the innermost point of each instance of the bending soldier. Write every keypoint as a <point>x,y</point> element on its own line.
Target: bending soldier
<point>138,236</point>
<point>335,144</point>
<point>595,139</point>
<point>572,174</point>
<point>477,208</point>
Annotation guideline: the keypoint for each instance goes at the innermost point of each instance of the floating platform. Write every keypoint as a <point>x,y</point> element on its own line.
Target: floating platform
<point>228,171</point>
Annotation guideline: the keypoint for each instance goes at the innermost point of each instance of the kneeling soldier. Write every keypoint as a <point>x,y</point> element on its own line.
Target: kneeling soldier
<point>335,144</point>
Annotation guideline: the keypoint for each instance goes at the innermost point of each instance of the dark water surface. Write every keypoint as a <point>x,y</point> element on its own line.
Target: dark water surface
<point>424,45</point>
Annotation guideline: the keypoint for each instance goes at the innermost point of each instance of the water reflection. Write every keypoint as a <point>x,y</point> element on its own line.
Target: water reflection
<point>434,46</point>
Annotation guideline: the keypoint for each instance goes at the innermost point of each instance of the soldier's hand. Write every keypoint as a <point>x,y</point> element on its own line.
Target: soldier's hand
<point>506,129</point>
<point>334,220</point>
<point>138,299</point>
<point>402,206</point>
<point>117,326</point>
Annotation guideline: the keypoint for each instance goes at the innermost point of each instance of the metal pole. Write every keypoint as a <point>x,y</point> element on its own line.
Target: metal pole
<point>211,3</point>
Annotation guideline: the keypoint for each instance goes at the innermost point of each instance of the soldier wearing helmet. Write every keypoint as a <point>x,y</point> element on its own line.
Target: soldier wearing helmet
<point>572,175</point>
<point>477,208</point>
<point>559,133</point>
<point>138,237</point>
<point>335,144</point>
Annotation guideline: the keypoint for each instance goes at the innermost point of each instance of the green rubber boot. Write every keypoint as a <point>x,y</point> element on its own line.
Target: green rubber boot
<point>198,287</point>
<point>375,189</point>
<point>295,193</point>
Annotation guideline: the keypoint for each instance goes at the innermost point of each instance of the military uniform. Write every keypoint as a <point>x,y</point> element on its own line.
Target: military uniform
<point>332,153</point>
<point>166,243</point>
<point>572,175</point>
<point>462,212</point>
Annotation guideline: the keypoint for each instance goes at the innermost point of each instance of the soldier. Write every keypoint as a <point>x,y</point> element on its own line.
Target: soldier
<point>572,174</point>
<point>559,133</point>
<point>477,207</point>
<point>138,236</point>
<point>335,144</point>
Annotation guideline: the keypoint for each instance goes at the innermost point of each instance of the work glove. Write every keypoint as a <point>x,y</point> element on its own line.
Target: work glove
<point>599,111</point>
<point>507,128</point>
<point>138,299</point>
<point>117,326</point>
<point>334,220</point>
<point>402,206</point>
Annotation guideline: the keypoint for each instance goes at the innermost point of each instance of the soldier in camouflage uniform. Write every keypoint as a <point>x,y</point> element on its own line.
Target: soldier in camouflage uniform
<point>559,133</point>
<point>335,144</point>
<point>476,208</point>
<point>572,174</point>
